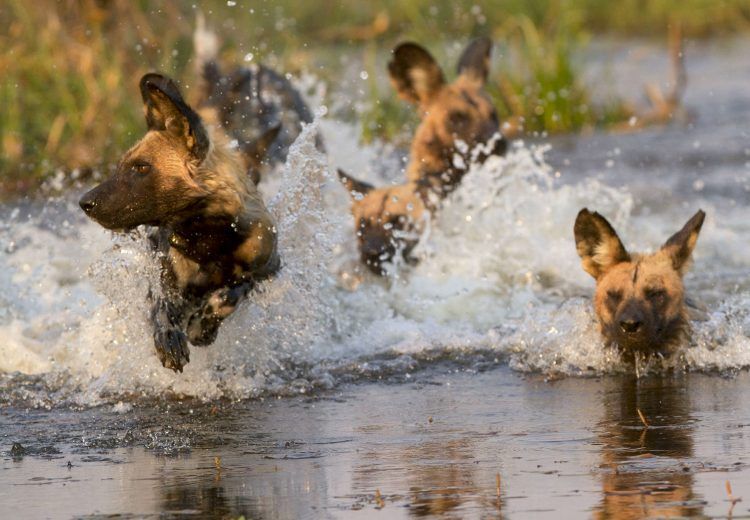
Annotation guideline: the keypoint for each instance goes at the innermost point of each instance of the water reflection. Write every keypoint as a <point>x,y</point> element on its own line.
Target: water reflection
<point>645,469</point>
<point>211,501</point>
<point>440,476</point>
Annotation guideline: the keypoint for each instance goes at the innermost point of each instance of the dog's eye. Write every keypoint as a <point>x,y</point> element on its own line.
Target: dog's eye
<point>614,296</point>
<point>142,168</point>
<point>458,120</point>
<point>655,294</point>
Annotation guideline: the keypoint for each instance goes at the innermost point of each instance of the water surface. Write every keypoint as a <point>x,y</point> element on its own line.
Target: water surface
<point>432,444</point>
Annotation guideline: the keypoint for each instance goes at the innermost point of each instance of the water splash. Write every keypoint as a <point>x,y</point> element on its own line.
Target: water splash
<point>499,281</point>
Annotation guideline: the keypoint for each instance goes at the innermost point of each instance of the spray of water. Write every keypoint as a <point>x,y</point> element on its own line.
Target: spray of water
<point>498,282</point>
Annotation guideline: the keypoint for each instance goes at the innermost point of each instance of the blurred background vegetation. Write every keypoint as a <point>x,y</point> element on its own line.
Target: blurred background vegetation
<point>69,68</point>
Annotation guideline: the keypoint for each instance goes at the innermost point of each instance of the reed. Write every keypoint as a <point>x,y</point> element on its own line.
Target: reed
<point>69,68</point>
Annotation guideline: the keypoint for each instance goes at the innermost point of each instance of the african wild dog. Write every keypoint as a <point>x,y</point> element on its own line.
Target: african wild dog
<point>256,106</point>
<point>389,221</point>
<point>640,298</point>
<point>459,127</point>
<point>214,235</point>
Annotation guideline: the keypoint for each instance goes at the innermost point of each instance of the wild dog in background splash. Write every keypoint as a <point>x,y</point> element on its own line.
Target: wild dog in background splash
<point>459,127</point>
<point>257,107</point>
<point>640,298</point>
<point>214,235</point>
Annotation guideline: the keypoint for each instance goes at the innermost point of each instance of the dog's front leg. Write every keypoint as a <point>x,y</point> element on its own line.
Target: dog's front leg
<point>203,325</point>
<point>169,339</point>
<point>170,308</point>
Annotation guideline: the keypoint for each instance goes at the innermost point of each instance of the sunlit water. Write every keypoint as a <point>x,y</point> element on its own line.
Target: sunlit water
<point>499,285</point>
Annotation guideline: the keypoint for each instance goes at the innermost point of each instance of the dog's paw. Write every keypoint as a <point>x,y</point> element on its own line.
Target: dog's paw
<point>203,324</point>
<point>172,348</point>
<point>202,329</point>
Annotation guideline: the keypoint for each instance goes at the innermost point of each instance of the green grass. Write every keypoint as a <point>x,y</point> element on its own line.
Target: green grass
<point>69,68</point>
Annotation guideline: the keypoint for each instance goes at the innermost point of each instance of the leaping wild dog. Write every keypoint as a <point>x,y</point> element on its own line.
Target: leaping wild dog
<point>640,298</point>
<point>459,126</point>
<point>215,237</point>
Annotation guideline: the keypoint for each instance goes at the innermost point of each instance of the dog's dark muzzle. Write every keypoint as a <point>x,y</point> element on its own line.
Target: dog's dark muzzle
<point>113,208</point>
<point>88,203</point>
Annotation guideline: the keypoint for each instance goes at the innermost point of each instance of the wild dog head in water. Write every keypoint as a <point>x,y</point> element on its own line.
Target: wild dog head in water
<point>459,122</point>
<point>388,221</point>
<point>170,174</point>
<point>639,299</point>
<point>154,180</point>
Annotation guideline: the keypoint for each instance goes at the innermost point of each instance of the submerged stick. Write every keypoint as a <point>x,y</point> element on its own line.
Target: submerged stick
<point>379,499</point>
<point>643,418</point>
<point>732,499</point>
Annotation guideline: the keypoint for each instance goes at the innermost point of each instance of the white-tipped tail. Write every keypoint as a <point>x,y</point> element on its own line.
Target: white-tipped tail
<point>205,43</point>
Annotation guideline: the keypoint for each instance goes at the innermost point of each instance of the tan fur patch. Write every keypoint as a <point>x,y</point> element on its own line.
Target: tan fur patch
<point>259,247</point>
<point>379,205</point>
<point>461,112</point>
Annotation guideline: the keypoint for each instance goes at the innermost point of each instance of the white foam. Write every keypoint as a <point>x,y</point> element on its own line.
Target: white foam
<point>498,276</point>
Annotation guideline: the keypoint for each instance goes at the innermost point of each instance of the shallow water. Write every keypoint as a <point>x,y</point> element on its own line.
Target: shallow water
<point>498,305</point>
<point>432,444</point>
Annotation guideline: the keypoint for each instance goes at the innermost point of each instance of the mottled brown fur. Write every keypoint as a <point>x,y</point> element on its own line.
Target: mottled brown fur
<point>640,298</point>
<point>215,236</point>
<point>459,127</point>
<point>456,118</point>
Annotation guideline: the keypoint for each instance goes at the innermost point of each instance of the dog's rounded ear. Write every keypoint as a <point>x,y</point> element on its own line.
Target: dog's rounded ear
<point>680,246</point>
<point>357,189</point>
<point>474,63</point>
<point>166,110</point>
<point>255,151</point>
<point>414,73</point>
<point>597,243</point>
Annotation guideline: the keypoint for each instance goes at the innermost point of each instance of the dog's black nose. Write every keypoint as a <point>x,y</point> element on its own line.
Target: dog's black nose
<point>87,205</point>
<point>630,326</point>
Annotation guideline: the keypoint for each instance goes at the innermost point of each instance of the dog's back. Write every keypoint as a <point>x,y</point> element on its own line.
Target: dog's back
<point>254,104</point>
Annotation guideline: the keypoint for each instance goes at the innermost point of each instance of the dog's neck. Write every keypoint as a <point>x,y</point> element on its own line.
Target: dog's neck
<point>207,238</point>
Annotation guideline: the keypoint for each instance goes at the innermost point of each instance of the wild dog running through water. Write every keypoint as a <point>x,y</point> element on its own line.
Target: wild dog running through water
<point>640,298</point>
<point>213,233</point>
<point>459,127</point>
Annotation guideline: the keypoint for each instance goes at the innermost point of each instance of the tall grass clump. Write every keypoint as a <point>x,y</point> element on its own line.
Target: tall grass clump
<point>68,76</point>
<point>538,87</point>
<point>69,68</point>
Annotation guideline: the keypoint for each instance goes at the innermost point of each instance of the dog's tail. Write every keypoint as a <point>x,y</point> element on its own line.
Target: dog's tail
<point>206,48</point>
